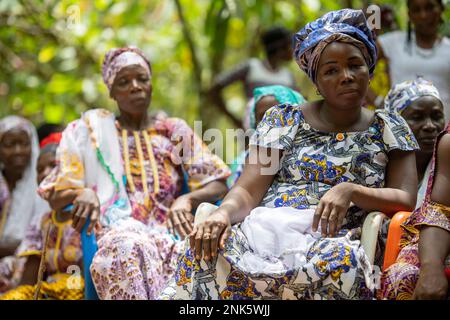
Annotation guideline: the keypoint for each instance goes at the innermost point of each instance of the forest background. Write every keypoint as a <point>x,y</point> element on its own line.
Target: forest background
<point>51,51</point>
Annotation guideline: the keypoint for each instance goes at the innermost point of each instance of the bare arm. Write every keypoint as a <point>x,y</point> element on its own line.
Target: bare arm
<point>58,200</point>
<point>211,192</point>
<point>434,242</point>
<point>252,185</point>
<point>256,178</point>
<point>399,194</point>
<point>400,191</point>
<point>85,202</point>
<point>434,237</point>
<point>180,217</point>
<point>225,79</point>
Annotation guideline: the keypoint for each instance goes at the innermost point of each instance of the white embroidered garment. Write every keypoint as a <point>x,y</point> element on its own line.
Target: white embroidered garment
<point>103,173</point>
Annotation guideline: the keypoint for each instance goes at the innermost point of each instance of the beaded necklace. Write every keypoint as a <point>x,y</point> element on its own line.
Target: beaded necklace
<point>126,157</point>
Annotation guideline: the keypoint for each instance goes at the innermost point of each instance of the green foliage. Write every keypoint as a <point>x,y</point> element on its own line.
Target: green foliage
<point>51,51</point>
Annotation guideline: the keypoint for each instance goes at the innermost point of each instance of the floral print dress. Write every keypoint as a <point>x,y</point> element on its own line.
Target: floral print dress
<point>313,162</point>
<point>63,260</point>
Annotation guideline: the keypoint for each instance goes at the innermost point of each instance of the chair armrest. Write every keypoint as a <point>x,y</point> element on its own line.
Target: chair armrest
<point>369,236</point>
<point>203,212</point>
<point>393,239</point>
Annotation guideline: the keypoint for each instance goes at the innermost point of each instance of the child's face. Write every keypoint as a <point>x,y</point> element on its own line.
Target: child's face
<point>46,162</point>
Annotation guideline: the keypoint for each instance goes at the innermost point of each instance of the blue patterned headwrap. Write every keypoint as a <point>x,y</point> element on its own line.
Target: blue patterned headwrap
<point>346,25</point>
<point>404,94</point>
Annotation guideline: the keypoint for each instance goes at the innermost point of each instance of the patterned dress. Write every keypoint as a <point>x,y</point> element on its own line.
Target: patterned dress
<point>64,246</point>
<point>63,260</point>
<point>398,282</point>
<point>136,257</point>
<point>313,162</point>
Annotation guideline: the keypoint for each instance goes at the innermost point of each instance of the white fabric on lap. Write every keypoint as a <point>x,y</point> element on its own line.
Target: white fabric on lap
<point>279,238</point>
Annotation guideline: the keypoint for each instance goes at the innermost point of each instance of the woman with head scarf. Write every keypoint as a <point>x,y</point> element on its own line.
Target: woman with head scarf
<point>18,154</point>
<point>263,99</point>
<point>62,246</point>
<point>420,104</point>
<point>127,171</point>
<point>422,268</point>
<point>290,227</point>
<point>19,202</point>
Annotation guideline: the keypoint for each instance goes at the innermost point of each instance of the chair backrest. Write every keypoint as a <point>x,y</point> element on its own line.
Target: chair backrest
<point>393,239</point>
<point>89,248</point>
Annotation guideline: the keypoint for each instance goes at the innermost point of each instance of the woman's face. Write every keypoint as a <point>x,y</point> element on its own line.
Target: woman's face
<point>46,162</point>
<point>425,117</point>
<point>132,89</point>
<point>425,15</point>
<point>15,151</point>
<point>342,75</point>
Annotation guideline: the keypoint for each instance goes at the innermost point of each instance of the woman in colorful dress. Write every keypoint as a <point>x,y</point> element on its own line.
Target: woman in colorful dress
<point>62,262</point>
<point>290,227</point>
<point>418,272</point>
<point>127,171</point>
<point>19,202</point>
<point>263,99</point>
<point>419,103</point>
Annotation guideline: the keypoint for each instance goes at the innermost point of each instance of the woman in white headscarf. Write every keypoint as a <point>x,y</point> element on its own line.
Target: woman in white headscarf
<point>19,202</point>
<point>419,103</point>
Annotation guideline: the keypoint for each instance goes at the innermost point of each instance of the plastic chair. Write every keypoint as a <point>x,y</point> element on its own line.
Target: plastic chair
<point>370,231</point>
<point>393,241</point>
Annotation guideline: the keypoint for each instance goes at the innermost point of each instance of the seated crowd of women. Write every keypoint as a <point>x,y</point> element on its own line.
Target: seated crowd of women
<point>290,225</point>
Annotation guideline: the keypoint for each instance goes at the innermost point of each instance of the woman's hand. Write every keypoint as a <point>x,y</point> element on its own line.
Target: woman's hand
<point>332,209</point>
<point>432,283</point>
<point>85,205</point>
<point>180,216</point>
<point>208,235</point>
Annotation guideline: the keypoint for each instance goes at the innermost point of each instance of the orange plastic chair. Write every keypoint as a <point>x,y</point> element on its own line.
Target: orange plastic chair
<point>393,239</point>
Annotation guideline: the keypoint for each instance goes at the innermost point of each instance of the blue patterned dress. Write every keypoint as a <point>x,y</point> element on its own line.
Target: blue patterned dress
<point>313,162</point>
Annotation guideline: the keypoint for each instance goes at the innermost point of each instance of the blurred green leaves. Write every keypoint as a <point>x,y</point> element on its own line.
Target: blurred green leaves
<point>51,51</point>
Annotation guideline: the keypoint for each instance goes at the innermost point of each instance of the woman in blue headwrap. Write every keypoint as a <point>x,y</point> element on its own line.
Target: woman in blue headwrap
<point>263,98</point>
<point>290,227</point>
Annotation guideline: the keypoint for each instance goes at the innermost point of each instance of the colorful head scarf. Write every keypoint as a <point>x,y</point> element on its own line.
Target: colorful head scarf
<point>403,94</point>
<point>346,25</point>
<point>281,93</point>
<point>22,206</point>
<point>116,59</point>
